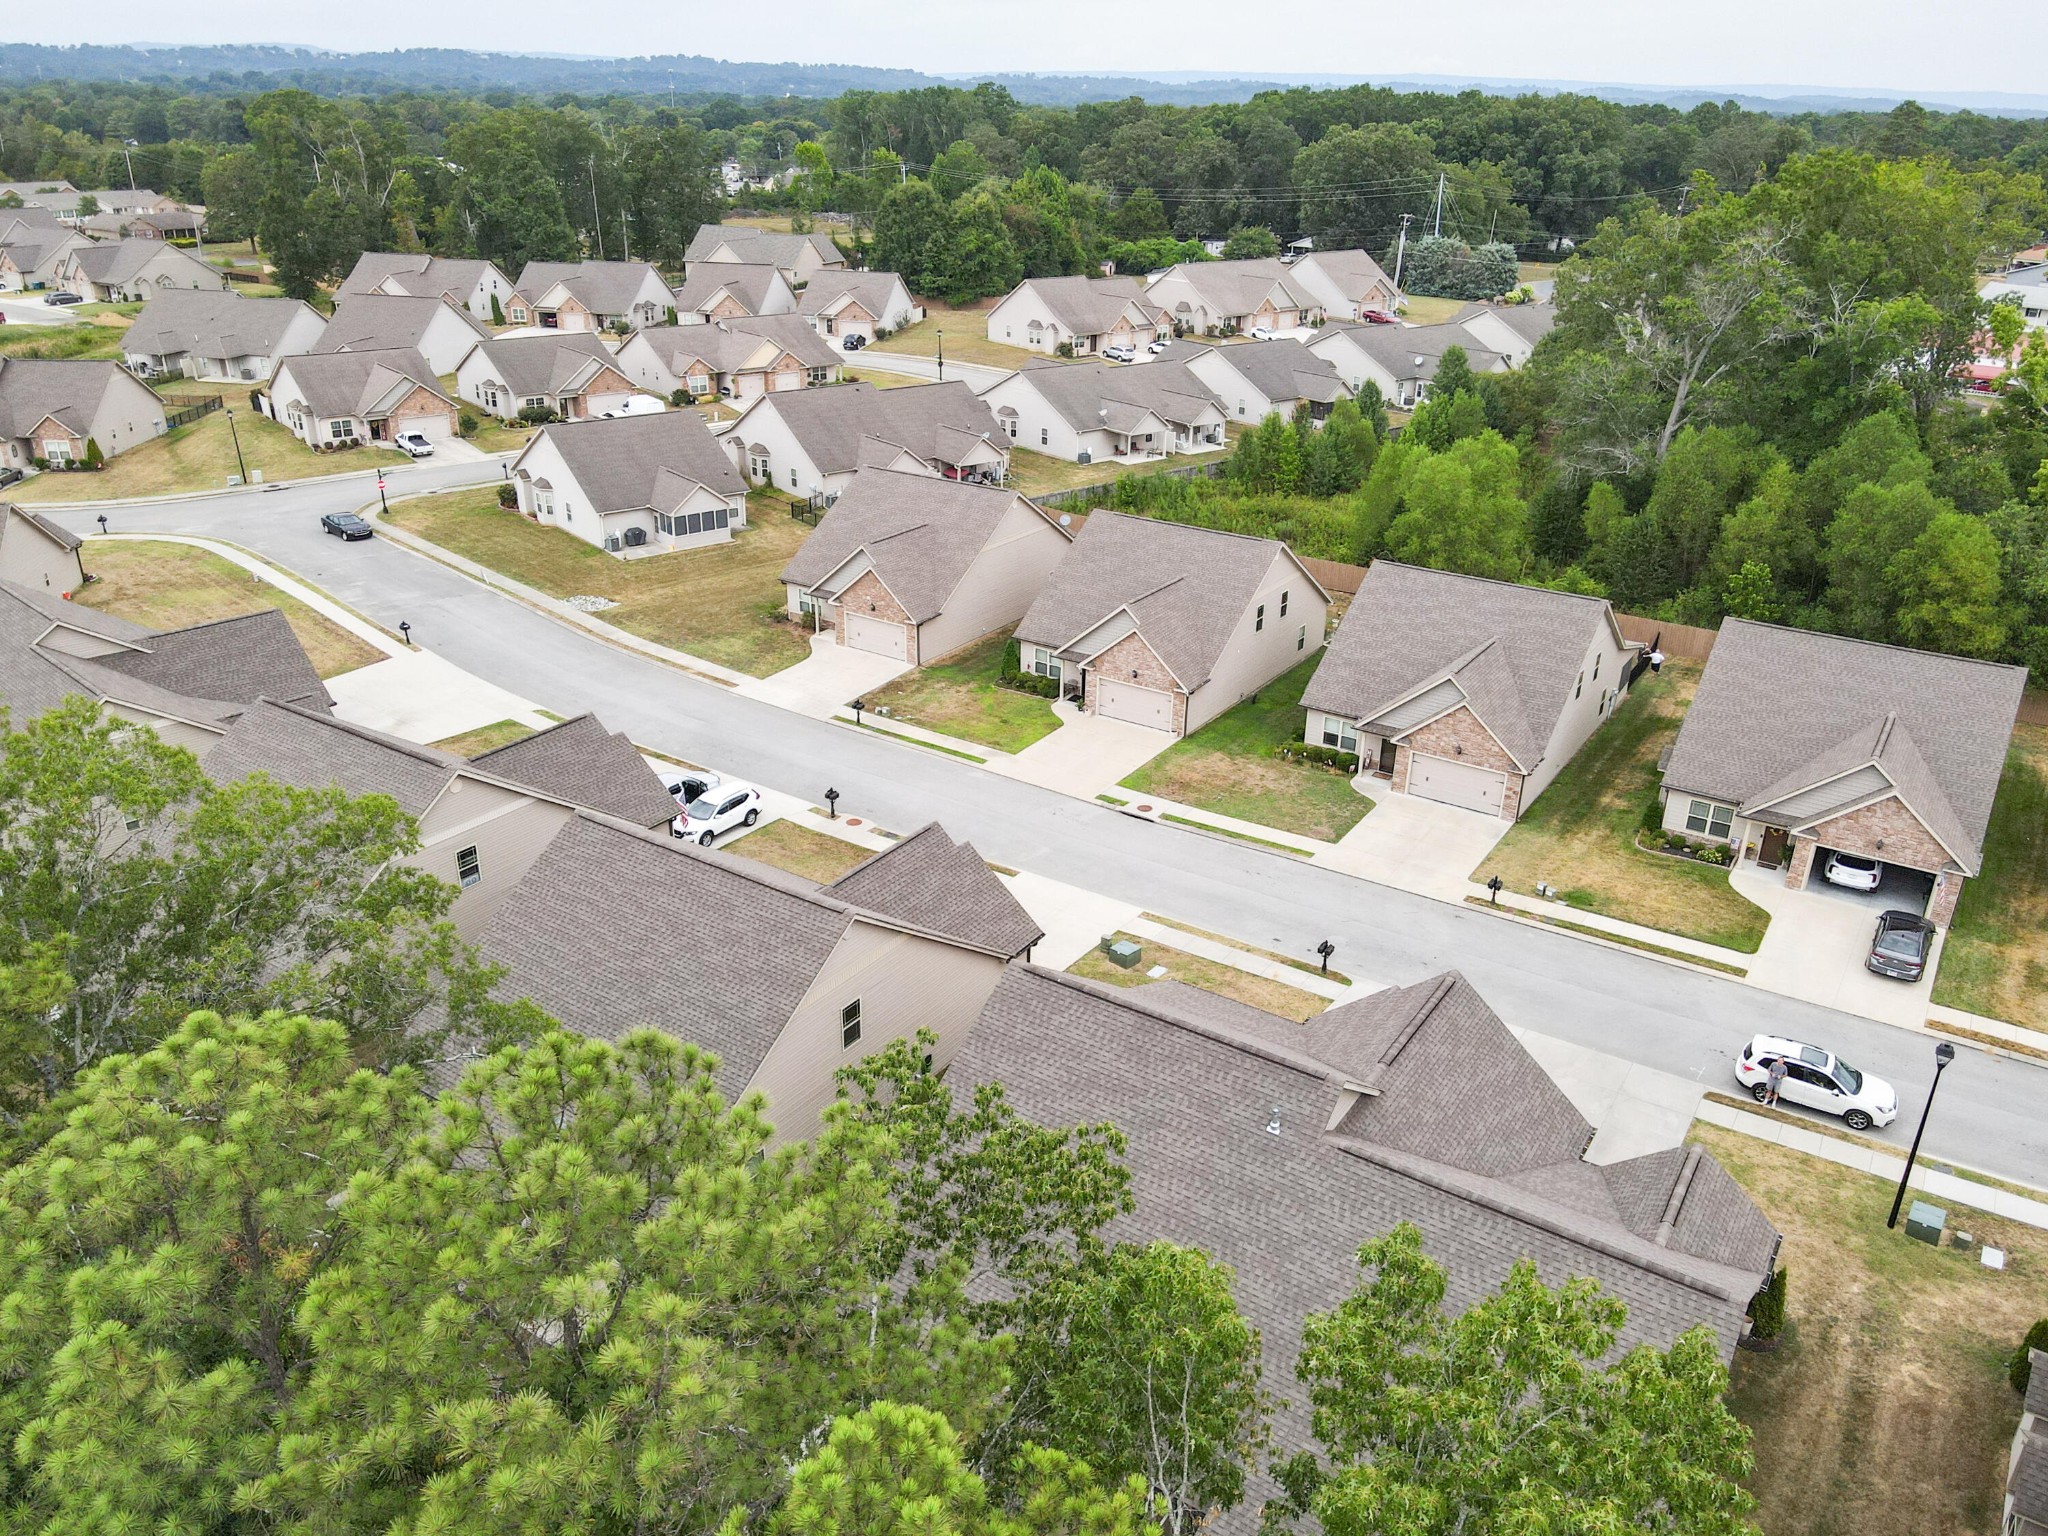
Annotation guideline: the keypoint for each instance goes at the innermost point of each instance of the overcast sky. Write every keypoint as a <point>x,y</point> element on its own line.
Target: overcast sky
<point>1877,45</point>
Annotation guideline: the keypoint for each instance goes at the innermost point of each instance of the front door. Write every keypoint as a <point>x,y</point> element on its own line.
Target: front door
<point>1771,852</point>
<point>1387,751</point>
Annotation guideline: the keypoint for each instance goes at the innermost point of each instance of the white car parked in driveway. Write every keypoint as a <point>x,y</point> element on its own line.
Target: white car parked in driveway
<point>1819,1080</point>
<point>415,443</point>
<point>719,809</point>
<point>1853,872</point>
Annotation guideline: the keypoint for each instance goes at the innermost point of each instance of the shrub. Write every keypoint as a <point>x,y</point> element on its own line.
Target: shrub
<point>1064,349</point>
<point>1012,662</point>
<point>679,398</point>
<point>2021,1370</point>
<point>465,424</point>
<point>1767,1306</point>
<point>40,463</point>
<point>497,311</point>
<point>537,415</point>
<point>1652,820</point>
<point>94,459</point>
<point>508,497</point>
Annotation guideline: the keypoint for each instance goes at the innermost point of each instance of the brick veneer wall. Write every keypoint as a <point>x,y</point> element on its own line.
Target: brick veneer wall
<point>1461,737</point>
<point>1905,839</point>
<point>1131,660</point>
<point>419,404</point>
<point>1800,865</point>
<point>869,589</point>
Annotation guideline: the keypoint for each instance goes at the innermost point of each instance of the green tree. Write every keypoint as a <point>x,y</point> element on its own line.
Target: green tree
<point>1453,373</point>
<point>1140,216</point>
<point>1250,241</point>
<point>911,230</point>
<point>234,187</point>
<point>1767,529</point>
<point>1503,1418</point>
<point>959,169</point>
<point>980,260</point>
<point>1356,182</point>
<point>1947,587</point>
<point>1447,417</point>
<point>1875,524</point>
<point>508,205</point>
<point>1462,510</point>
<point>1752,594</point>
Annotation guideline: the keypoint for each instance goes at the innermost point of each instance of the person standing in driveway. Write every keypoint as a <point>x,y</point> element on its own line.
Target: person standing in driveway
<point>1774,1079</point>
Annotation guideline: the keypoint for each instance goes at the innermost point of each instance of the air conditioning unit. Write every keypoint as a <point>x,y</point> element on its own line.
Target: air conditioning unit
<point>1085,457</point>
<point>613,544</point>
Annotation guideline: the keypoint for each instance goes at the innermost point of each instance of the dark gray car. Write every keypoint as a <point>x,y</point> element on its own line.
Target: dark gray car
<point>1901,947</point>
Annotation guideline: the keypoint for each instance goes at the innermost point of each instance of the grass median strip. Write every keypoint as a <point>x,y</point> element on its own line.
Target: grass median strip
<point>929,746</point>
<point>1308,966</point>
<point>485,738</point>
<point>1232,832</point>
<point>1977,1037</point>
<point>1601,933</point>
<point>1196,971</point>
<point>799,850</point>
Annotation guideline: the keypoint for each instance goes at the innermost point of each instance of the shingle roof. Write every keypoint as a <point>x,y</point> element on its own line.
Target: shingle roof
<point>830,422</point>
<point>1778,705</point>
<point>242,659</point>
<point>1531,322</point>
<point>759,245</point>
<point>34,678</point>
<point>873,291</point>
<point>1286,1209</point>
<point>115,261</point>
<point>602,287</point>
<point>1281,369</point>
<point>934,883</point>
<point>1513,652</point>
<point>370,322</point>
<point>1187,587</point>
<point>1093,395</point>
<point>749,282</point>
<point>10,515</point>
<point>1414,351</point>
<point>211,323</point>
<point>582,762</point>
<point>546,364</point>
<point>1353,272</point>
<point>2036,1401</point>
<point>354,383</point>
<point>738,345</point>
<point>69,389</point>
<point>1088,306</point>
<point>2028,1484</point>
<point>298,747</point>
<point>920,533</point>
<point>622,463</point>
<point>1238,287</point>
<point>422,276</point>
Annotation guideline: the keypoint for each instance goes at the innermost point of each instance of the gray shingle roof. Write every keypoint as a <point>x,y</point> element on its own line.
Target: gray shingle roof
<point>1281,369</point>
<point>1354,272</point>
<point>934,883</point>
<point>920,532</point>
<point>370,322</point>
<point>1088,306</point>
<point>602,287</point>
<point>1531,322</point>
<point>298,747</point>
<point>1093,395</point>
<point>354,383</point>
<point>873,291</point>
<point>759,246</point>
<point>749,282</point>
<point>1514,652</point>
<point>830,422</point>
<point>422,276</point>
<point>69,389</point>
<point>642,461</point>
<point>11,515</point>
<point>1187,587</point>
<point>243,659</point>
<point>1777,705</point>
<point>211,323</point>
<point>750,342</point>
<point>1414,351</point>
<point>115,261</point>
<point>547,364</point>
<point>2037,1386</point>
<point>2028,1484</point>
<point>582,762</point>
<point>1238,287</point>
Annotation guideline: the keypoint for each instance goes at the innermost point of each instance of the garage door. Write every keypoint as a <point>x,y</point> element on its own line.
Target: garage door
<point>438,428</point>
<point>877,636</point>
<point>1461,784</point>
<point>1140,706</point>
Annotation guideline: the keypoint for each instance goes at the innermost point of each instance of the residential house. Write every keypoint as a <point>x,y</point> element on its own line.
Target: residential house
<point>1098,412</point>
<point>1800,744</point>
<point>1400,360</point>
<point>56,198</point>
<point>733,359</point>
<point>1471,692</point>
<point>800,257</point>
<point>1510,330</point>
<point>732,291</point>
<point>634,485</point>
<point>1223,298</point>
<point>613,930</point>
<point>1167,625</point>
<point>51,409</point>
<point>1278,1149</point>
<point>441,332</point>
<point>1083,314</point>
<point>205,333</point>
<point>2026,1467</point>
<point>481,826</point>
<point>126,271</point>
<point>125,202</point>
<point>190,685</point>
<point>914,566</point>
<point>341,399</point>
<point>477,286</point>
<point>2030,299</point>
<point>31,250</point>
<point>1346,284</point>
<point>839,305</point>
<point>573,374</point>
<point>174,224</point>
<point>1254,379</point>
<point>37,553</point>
<point>589,296</point>
<point>810,442</point>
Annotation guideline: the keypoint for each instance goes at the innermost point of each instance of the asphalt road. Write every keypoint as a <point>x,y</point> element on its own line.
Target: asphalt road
<point>1994,1114</point>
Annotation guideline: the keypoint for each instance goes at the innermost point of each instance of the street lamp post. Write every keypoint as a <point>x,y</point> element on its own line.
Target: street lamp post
<point>239,464</point>
<point>1944,1053</point>
<point>942,357</point>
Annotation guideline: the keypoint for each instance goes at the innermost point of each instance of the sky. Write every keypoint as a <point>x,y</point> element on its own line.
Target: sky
<point>1917,46</point>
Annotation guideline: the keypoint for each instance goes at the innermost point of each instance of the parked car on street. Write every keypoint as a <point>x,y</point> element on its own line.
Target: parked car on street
<point>1157,347</point>
<point>346,525</point>
<point>1377,317</point>
<point>1901,946</point>
<point>1853,872</point>
<point>1817,1079</point>
<point>726,806</point>
<point>62,297</point>
<point>415,443</point>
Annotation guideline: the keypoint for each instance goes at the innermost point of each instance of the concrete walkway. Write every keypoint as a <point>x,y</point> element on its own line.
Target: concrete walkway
<point>823,683</point>
<point>1244,960</point>
<point>1074,919</point>
<point>977,376</point>
<point>1634,1109</point>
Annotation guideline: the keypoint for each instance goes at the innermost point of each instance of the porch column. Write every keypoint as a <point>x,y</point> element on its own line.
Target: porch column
<point>1801,863</point>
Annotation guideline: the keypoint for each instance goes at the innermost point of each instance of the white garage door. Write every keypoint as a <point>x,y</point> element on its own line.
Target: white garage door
<point>438,428</point>
<point>1439,778</point>
<point>878,636</point>
<point>1140,706</point>
<point>782,381</point>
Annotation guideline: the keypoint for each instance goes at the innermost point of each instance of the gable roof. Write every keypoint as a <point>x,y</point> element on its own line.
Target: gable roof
<point>241,659</point>
<point>873,291</point>
<point>36,675</point>
<point>1352,273</point>
<point>931,881</point>
<point>211,322</point>
<point>412,273</point>
<point>355,383</point>
<point>602,287</point>
<point>547,364</point>
<point>34,525</point>
<point>1280,369</point>
<point>1414,351</point>
<point>931,420</point>
<point>1532,322</point>
<point>1095,395</point>
<point>116,261</point>
<point>629,462</point>
<point>1510,653</point>
<point>1239,287</point>
<point>1185,587</point>
<point>312,751</point>
<point>919,532</point>
<point>759,246</point>
<point>1088,306</point>
<point>1781,711</point>
<point>749,282</point>
<point>743,343</point>
<point>69,389</point>
<point>370,322</point>
<point>581,762</point>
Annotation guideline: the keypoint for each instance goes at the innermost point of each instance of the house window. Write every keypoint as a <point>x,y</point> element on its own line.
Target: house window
<point>1580,686</point>
<point>468,867</point>
<point>1707,817</point>
<point>820,375</point>
<point>341,429</point>
<point>792,478</point>
<point>849,1024</point>
<point>1301,638</point>
<point>1259,619</point>
<point>758,464</point>
<point>1596,666</point>
<point>1283,603</point>
<point>1044,663</point>
<point>535,403</point>
<point>1341,734</point>
<point>1044,436</point>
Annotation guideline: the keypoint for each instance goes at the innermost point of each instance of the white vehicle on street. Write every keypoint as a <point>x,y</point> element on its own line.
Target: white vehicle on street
<point>719,809</point>
<point>1853,871</point>
<point>1817,1079</point>
<point>687,784</point>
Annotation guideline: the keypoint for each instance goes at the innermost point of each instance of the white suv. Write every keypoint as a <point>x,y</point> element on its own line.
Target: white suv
<point>719,809</point>
<point>1819,1080</point>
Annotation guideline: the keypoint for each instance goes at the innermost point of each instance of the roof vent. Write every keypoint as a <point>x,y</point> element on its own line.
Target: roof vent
<point>1273,1122</point>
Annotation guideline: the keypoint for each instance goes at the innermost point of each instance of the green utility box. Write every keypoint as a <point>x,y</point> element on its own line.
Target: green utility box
<point>1925,1222</point>
<point>1124,953</point>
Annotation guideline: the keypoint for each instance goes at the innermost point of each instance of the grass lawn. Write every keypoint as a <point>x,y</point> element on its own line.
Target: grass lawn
<point>495,436</point>
<point>715,603</point>
<point>1886,1410</point>
<point>1210,975</point>
<point>1580,834</point>
<point>168,586</point>
<point>1536,271</point>
<point>1040,474</point>
<point>1421,310</point>
<point>485,738</point>
<point>797,849</point>
<point>95,338</point>
<point>966,338</point>
<point>1996,959</point>
<point>1228,767</point>
<point>958,696</point>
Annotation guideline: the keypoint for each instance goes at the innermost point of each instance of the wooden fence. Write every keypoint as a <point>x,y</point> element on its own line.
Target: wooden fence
<point>1687,642</point>
<point>1337,578</point>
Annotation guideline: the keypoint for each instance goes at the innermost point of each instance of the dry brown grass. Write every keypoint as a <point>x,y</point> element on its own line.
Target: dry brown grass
<point>958,695</point>
<point>169,586</point>
<point>1209,975</point>
<point>485,738</point>
<point>966,338</point>
<point>201,456</point>
<point>1886,1412</point>
<point>799,850</point>
<point>1040,474</point>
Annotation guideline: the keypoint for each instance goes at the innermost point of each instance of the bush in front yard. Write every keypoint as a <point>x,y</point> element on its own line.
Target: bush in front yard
<point>537,415</point>
<point>1322,756</point>
<point>1011,674</point>
<point>2022,1366</point>
<point>1767,1307</point>
<point>508,497</point>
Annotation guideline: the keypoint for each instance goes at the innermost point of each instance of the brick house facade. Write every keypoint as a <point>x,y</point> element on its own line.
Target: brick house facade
<point>870,599</point>
<point>1888,831</point>
<point>1461,737</point>
<point>1132,661</point>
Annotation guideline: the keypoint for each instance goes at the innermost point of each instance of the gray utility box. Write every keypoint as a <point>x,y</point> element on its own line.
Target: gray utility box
<point>1925,1222</point>
<point>1123,953</point>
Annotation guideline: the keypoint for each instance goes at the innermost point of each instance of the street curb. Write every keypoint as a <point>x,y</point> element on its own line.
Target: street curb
<point>146,502</point>
<point>1615,944</point>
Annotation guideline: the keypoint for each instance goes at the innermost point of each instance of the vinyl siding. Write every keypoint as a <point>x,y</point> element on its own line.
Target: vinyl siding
<point>1241,402</point>
<point>1035,415</point>
<point>129,413</point>
<point>1253,658</point>
<point>509,831</point>
<point>28,559</point>
<point>1582,715</point>
<point>1009,323</point>
<point>999,586</point>
<point>762,425</point>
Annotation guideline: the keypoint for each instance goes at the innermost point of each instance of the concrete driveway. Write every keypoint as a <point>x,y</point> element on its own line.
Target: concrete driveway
<point>1815,948</point>
<point>1086,755</point>
<point>1416,845</point>
<point>827,681</point>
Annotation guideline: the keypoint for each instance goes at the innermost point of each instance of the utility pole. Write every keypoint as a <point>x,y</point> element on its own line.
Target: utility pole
<point>126,145</point>
<point>596,223</point>
<point>1400,250</point>
<point>625,235</point>
<point>1439,230</point>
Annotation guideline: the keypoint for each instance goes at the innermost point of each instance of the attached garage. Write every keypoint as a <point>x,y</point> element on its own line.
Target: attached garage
<point>1140,706</point>
<point>880,637</point>
<point>1455,783</point>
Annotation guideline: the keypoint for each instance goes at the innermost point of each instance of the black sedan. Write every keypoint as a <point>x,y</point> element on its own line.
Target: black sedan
<point>1903,942</point>
<point>346,525</point>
